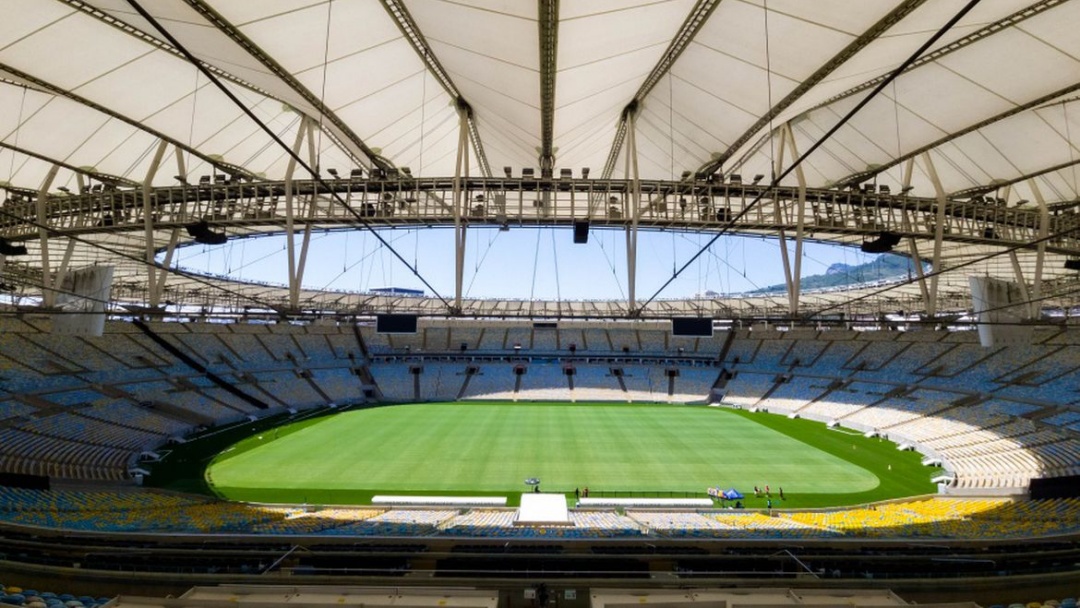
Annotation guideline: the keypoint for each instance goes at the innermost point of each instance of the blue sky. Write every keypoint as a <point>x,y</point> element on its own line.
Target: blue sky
<point>522,263</point>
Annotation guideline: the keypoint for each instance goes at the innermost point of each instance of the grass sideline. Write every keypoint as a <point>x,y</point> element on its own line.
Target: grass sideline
<point>676,449</point>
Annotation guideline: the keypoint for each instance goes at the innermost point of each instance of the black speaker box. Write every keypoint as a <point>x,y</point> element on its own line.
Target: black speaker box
<point>581,233</point>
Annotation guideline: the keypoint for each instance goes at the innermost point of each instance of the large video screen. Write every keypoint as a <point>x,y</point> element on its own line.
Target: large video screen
<point>395,324</point>
<point>693,327</point>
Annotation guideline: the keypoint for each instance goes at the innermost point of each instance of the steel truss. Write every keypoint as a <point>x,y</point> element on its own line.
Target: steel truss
<point>938,230</point>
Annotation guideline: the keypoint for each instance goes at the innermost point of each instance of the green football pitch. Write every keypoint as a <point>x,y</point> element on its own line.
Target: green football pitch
<point>613,449</point>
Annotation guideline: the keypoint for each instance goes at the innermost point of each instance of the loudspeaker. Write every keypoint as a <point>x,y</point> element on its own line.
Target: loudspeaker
<point>6,248</point>
<point>201,232</point>
<point>581,233</point>
<point>883,244</point>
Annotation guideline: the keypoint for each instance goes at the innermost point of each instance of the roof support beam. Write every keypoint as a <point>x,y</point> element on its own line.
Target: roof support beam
<point>1006,183</point>
<point>1040,251</point>
<point>1021,282</point>
<point>794,277</point>
<point>873,33</point>
<point>1021,15</point>
<point>62,271</point>
<point>862,176</point>
<point>908,221</point>
<point>148,216</point>
<point>460,202</point>
<point>701,12</point>
<point>939,232</point>
<point>181,166</point>
<point>353,144</point>
<point>48,295</point>
<point>993,28</point>
<point>634,194</point>
<point>110,19</point>
<point>163,271</point>
<point>36,83</point>
<point>313,204</point>
<point>101,177</point>
<point>549,46</point>
<point>404,20</point>
<point>290,215</point>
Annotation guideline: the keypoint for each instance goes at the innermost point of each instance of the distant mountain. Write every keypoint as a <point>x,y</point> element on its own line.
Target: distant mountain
<point>882,268</point>
<point>838,268</point>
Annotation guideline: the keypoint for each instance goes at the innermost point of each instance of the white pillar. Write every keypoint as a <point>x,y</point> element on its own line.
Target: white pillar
<point>939,232</point>
<point>634,194</point>
<point>159,284</point>
<point>1040,249</point>
<point>1019,273</point>
<point>290,242</point>
<point>148,216</point>
<point>461,171</point>
<point>792,273</point>
<point>313,161</point>
<point>48,295</point>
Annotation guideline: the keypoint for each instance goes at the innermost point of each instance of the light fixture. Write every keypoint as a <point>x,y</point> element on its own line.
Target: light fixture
<point>584,173</point>
<point>758,177</point>
<point>509,172</point>
<point>333,171</point>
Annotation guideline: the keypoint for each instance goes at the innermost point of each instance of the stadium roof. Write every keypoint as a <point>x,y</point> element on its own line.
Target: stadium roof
<point>90,92</point>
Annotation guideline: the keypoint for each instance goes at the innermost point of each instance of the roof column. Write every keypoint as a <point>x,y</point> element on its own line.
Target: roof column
<point>290,242</point>
<point>313,161</point>
<point>461,172</point>
<point>793,277</point>
<point>48,295</point>
<point>159,285</point>
<point>939,232</point>
<point>634,194</point>
<point>908,223</point>
<point>148,218</point>
<point>1020,282</point>
<point>1040,249</point>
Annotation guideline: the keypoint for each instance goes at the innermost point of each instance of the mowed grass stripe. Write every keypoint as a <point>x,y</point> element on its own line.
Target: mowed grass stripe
<point>465,448</point>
